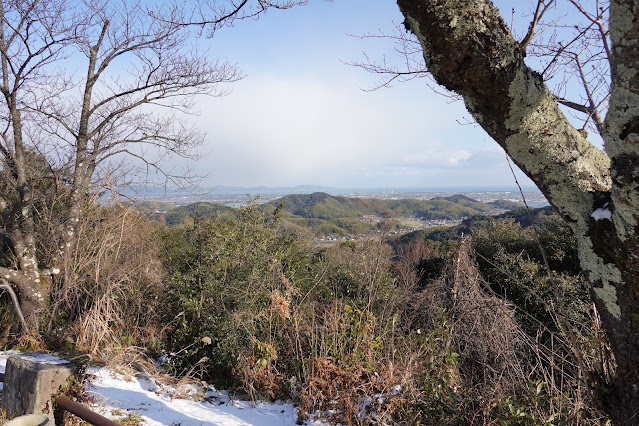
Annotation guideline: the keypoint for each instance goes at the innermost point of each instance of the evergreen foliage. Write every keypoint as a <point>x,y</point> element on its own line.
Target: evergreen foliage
<point>325,214</point>
<point>443,331</point>
<point>254,304</point>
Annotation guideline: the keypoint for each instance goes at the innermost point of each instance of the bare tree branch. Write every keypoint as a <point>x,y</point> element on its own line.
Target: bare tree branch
<point>599,22</point>
<point>63,129</point>
<point>542,7</point>
<point>16,304</point>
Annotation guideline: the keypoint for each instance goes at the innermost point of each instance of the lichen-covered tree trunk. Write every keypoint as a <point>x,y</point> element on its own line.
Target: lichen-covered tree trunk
<point>469,49</point>
<point>18,216</point>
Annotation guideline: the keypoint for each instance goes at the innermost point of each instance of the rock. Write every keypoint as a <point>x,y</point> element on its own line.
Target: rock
<point>31,380</point>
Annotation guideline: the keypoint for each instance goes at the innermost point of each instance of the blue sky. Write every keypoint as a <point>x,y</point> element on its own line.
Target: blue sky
<point>301,117</point>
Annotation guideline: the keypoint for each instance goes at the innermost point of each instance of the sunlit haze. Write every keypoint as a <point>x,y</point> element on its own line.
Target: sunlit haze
<point>303,117</point>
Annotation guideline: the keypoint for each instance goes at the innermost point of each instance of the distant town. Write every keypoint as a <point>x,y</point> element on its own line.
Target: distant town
<point>380,225</point>
<point>236,197</point>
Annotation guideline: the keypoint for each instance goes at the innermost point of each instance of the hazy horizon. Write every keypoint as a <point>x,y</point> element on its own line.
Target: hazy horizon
<point>303,115</point>
<point>309,188</point>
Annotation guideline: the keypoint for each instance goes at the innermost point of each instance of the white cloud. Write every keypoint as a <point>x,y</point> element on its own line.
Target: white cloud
<point>278,131</point>
<point>437,156</point>
<point>300,116</point>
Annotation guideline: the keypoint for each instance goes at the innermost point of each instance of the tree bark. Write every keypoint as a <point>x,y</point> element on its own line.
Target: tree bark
<point>469,49</point>
<point>622,235</point>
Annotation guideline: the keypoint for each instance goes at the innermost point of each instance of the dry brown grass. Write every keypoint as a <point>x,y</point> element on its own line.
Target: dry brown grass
<point>106,297</point>
<point>500,363</point>
<point>483,328</point>
<point>456,349</point>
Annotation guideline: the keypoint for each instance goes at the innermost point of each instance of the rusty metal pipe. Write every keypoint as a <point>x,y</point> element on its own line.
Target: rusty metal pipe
<point>83,412</point>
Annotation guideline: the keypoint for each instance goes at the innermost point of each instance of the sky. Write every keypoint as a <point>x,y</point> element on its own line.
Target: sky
<point>302,116</point>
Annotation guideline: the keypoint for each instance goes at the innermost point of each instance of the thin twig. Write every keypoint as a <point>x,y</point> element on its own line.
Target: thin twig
<point>594,113</point>
<point>532,224</point>
<point>539,13</point>
<point>574,346</point>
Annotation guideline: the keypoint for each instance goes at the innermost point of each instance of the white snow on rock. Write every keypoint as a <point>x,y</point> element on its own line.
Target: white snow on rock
<point>3,362</point>
<point>601,214</point>
<point>43,358</point>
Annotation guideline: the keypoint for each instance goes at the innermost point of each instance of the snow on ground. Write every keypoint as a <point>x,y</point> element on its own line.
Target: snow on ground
<point>118,395</point>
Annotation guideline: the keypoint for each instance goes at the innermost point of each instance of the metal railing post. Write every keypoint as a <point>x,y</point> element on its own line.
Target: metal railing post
<point>84,413</point>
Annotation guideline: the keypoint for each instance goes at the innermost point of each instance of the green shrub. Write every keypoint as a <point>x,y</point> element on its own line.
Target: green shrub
<point>223,275</point>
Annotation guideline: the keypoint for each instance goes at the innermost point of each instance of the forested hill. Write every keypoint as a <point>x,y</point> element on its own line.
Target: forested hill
<point>203,210</point>
<point>441,234</point>
<point>327,215</point>
<point>320,205</point>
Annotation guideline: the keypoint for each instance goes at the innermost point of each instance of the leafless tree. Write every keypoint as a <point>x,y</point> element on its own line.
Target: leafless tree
<point>211,15</point>
<point>468,48</point>
<point>569,46</point>
<point>85,85</point>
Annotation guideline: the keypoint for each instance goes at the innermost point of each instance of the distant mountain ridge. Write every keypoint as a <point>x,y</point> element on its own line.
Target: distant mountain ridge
<point>325,214</point>
<point>320,205</point>
<point>159,191</point>
<point>152,191</point>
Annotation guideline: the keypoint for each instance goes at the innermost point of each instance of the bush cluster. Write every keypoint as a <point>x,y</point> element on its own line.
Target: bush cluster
<point>492,328</point>
<point>423,333</point>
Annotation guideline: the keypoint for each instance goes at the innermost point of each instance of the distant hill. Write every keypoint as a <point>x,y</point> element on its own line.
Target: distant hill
<point>136,191</point>
<point>462,200</point>
<point>324,214</point>
<point>320,205</point>
<point>443,234</point>
<point>202,210</point>
<point>506,204</point>
<point>150,206</point>
<point>269,189</point>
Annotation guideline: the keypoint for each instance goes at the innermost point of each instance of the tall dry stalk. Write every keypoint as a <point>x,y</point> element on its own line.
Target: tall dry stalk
<point>108,289</point>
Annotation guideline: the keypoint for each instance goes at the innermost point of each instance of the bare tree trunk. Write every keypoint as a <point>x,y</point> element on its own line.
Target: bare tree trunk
<point>469,49</point>
<point>617,241</point>
<point>34,289</point>
<point>70,135</point>
<point>18,215</point>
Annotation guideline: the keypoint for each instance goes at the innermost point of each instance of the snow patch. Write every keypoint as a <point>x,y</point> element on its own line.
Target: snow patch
<point>117,395</point>
<point>3,363</point>
<point>43,357</point>
<point>602,213</point>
